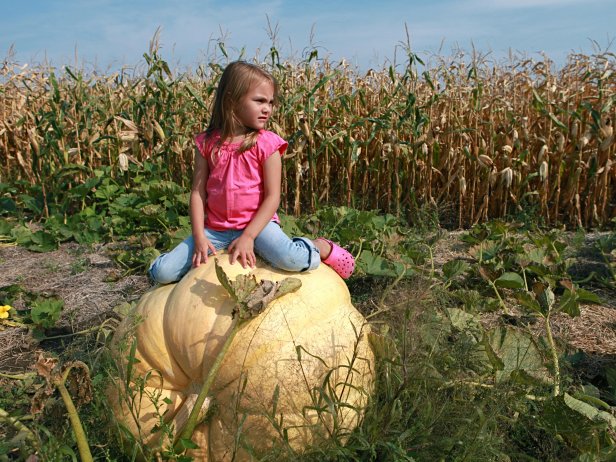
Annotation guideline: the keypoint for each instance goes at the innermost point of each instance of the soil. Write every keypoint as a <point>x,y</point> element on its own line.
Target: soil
<point>92,287</point>
<point>85,278</point>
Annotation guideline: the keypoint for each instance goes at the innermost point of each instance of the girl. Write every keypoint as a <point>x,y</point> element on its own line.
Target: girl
<point>236,188</point>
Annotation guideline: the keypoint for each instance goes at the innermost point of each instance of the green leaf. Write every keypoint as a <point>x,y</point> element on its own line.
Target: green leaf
<point>453,268</point>
<point>462,320</point>
<point>527,300</point>
<point>495,361</point>
<point>593,401</point>
<point>573,421</point>
<point>196,96</point>
<point>569,303</point>
<point>591,412</point>
<point>557,122</point>
<point>587,296</point>
<point>524,378</point>
<point>516,352</point>
<point>7,205</point>
<point>376,265</point>
<point>539,270</point>
<point>538,101</point>
<point>536,255</point>
<point>545,296</point>
<point>610,376</point>
<point>6,227</point>
<point>45,312</point>
<point>38,241</point>
<point>188,444</point>
<point>510,281</point>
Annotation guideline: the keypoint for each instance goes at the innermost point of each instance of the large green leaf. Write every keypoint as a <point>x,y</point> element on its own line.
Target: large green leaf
<point>528,301</point>
<point>461,320</point>
<point>577,423</point>
<point>454,268</point>
<point>587,296</point>
<point>376,265</point>
<point>569,303</point>
<point>590,412</point>
<point>37,241</point>
<point>510,281</point>
<point>516,351</point>
<point>6,227</point>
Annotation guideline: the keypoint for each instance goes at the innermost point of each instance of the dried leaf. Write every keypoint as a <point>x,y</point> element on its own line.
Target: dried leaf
<point>44,366</point>
<point>37,404</point>
<point>78,382</point>
<point>252,297</point>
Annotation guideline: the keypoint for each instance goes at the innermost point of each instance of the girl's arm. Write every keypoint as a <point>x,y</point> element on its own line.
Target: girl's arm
<point>198,198</point>
<point>242,248</point>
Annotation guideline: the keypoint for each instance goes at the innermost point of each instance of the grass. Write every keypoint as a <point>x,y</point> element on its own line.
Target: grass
<point>433,399</point>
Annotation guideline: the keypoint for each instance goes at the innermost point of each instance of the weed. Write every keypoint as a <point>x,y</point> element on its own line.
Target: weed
<point>79,265</point>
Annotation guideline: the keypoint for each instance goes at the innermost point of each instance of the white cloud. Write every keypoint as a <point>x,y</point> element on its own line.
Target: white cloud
<point>524,4</point>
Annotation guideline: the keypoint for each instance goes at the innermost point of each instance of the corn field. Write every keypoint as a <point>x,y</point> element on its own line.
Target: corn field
<point>479,139</point>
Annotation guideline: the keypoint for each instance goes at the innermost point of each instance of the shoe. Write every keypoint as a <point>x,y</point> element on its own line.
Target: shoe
<point>340,260</point>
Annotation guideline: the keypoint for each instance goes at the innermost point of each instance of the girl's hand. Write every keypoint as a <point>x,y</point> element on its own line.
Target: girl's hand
<point>242,250</point>
<point>201,250</point>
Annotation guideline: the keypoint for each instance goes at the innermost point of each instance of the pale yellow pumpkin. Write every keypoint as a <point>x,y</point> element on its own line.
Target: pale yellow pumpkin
<point>305,345</point>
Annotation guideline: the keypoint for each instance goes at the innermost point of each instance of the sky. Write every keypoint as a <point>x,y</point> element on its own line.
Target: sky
<point>110,34</point>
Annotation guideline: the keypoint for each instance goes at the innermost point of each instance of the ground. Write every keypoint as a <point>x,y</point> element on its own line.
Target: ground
<point>85,278</point>
<point>92,286</point>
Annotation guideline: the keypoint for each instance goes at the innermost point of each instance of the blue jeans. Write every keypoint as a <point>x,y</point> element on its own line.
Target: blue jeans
<point>272,244</point>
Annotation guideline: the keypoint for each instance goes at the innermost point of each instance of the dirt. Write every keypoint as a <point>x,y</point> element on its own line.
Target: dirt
<point>85,278</point>
<point>91,286</point>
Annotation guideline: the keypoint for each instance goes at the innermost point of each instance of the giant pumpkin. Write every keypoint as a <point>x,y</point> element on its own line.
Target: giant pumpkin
<point>302,368</point>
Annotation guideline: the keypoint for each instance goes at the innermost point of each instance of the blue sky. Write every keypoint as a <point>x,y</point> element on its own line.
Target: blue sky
<point>107,34</point>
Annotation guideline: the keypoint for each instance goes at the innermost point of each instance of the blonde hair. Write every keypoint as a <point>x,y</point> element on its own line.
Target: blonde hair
<point>235,82</point>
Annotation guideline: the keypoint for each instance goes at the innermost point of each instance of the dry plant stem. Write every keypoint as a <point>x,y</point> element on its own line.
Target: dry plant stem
<point>26,376</point>
<point>469,383</point>
<point>193,418</point>
<point>548,330</point>
<point>80,434</point>
<point>6,322</point>
<point>81,332</point>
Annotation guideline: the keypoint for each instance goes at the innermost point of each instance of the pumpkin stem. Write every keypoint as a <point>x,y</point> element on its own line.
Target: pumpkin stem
<point>251,298</point>
<point>80,435</point>
<point>193,418</point>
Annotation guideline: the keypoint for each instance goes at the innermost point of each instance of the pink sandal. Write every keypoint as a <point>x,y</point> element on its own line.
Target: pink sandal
<point>340,260</point>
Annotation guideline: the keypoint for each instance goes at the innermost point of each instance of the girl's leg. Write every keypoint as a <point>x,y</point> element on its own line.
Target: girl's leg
<point>171,266</point>
<point>297,254</point>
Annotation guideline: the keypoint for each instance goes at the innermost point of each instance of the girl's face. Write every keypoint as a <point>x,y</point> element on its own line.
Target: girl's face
<point>255,107</point>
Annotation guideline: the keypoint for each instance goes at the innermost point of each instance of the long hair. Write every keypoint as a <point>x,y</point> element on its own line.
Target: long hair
<point>236,80</point>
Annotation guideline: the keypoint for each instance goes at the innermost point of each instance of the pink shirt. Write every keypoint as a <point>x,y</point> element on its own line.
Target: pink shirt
<point>235,184</point>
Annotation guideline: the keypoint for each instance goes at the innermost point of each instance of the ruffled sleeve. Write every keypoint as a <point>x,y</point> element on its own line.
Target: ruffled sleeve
<point>204,143</point>
<point>268,143</point>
